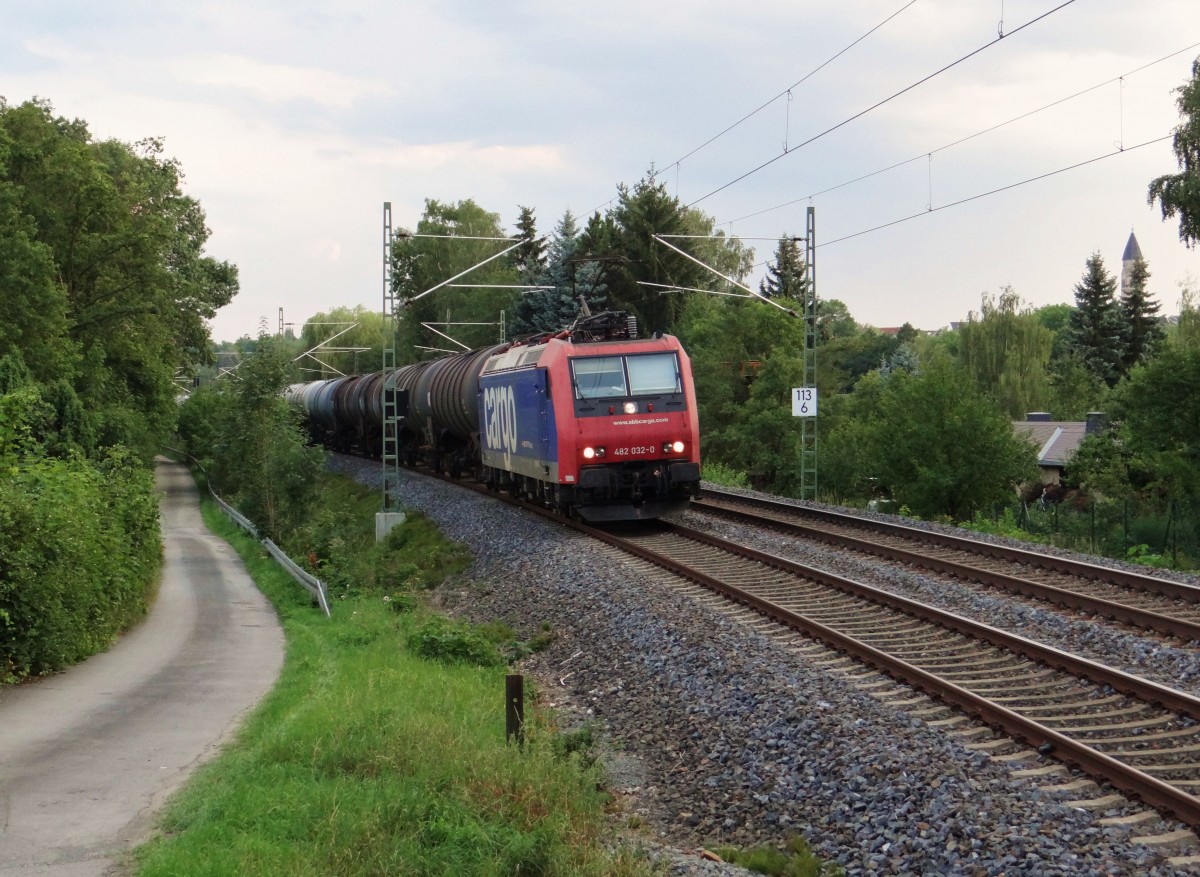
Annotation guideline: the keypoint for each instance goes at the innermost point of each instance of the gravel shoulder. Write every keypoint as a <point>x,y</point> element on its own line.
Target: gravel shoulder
<point>725,736</point>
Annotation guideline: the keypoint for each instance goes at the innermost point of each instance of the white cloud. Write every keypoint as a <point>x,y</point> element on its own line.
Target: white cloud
<point>276,83</point>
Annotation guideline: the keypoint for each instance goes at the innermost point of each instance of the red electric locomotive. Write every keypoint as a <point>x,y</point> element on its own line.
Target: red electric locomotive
<point>592,421</point>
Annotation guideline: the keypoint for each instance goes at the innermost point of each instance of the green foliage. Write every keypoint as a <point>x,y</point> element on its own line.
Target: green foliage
<point>79,552</point>
<point>337,539</point>
<point>106,285</point>
<point>1096,331</point>
<point>1159,406</point>
<point>746,357</point>
<point>1100,466</point>
<point>1007,350</point>
<point>937,444</point>
<point>723,475</point>
<point>846,358</point>
<point>442,639</point>
<point>629,257</point>
<point>1075,389</point>
<point>787,274</point>
<point>796,860</point>
<point>359,341</point>
<point>1140,313</point>
<point>259,455</point>
<point>579,744</point>
<point>1005,524</point>
<point>1180,193</point>
<point>555,308</point>
<point>834,321</point>
<point>530,258</point>
<point>421,263</point>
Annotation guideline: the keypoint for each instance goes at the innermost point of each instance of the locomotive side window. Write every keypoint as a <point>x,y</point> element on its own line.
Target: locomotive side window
<point>598,377</point>
<point>654,374</point>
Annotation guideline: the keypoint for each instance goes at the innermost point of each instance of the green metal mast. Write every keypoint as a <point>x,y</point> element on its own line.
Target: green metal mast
<point>808,425</point>
<point>391,413</point>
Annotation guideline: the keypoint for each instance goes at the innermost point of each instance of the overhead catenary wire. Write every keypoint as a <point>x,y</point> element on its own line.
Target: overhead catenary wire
<point>961,140</point>
<point>978,196</point>
<point>880,103</point>
<point>787,91</point>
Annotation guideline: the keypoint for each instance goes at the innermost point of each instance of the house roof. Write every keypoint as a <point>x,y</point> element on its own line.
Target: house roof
<point>1056,440</point>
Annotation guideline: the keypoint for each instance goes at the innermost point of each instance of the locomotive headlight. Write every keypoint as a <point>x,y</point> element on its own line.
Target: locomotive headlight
<point>589,453</point>
<point>631,407</point>
<point>677,446</point>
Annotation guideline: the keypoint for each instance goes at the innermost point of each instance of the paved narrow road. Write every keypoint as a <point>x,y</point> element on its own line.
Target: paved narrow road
<point>88,756</point>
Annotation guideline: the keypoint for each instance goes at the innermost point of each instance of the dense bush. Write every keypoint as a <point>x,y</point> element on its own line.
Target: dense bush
<point>79,550</point>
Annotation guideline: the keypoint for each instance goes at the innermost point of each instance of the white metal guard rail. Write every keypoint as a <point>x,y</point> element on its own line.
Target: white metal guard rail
<point>309,582</point>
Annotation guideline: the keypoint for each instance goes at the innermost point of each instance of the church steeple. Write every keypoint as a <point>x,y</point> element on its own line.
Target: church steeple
<point>1132,253</point>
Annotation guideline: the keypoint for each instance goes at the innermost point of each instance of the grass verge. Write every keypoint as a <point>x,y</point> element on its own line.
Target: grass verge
<point>368,759</point>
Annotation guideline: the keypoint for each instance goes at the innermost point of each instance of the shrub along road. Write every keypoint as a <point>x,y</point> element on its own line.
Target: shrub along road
<point>87,756</point>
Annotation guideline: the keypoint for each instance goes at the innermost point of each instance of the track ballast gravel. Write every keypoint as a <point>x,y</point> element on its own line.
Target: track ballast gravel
<point>724,736</point>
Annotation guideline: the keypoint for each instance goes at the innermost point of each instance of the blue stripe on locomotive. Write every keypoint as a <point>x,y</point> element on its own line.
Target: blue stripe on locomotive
<point>517,431</point>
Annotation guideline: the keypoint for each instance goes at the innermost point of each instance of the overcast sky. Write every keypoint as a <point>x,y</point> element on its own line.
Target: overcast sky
<point>295,121</point>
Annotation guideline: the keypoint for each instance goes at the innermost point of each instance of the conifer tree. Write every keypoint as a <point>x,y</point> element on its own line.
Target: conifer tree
<point>570,279</point>
<point>1143,332</point>
<point>1096,330</point>
<point>787,275</point>
<point>530,257</point>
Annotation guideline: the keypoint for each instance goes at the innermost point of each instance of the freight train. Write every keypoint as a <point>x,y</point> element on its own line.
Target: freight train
<point>591,421</point>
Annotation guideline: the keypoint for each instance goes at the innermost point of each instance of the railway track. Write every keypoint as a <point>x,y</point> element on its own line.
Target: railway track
<point>1142,601</point>
<point>1140,737</point>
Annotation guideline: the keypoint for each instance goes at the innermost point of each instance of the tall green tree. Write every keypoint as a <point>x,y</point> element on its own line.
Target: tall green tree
<point>939,445</point>
<point>1140,312</point>
<point>1180,193</point>
<point>787,273</point>
<point>1006,349</point>
<point>259,456</point>
<point>733,344</point>
<point>1095,330</point>
<point>1187,330</point>
<point>530,258</point>
<point>469,312</point>
<point>130,286</point>
<point>834,321</point>
<point>1159,406</point>
<point>636,267</point>
<point>569,280</point>
<point>353,339</point>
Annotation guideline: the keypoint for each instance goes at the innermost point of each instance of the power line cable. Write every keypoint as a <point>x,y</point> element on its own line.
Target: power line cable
<point>877,105</point>
<point>788,90</point>
<point>1118,151</point>
<point>961,140</point>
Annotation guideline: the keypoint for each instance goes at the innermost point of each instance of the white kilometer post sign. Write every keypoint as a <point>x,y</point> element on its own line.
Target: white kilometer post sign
<point>804,402</point>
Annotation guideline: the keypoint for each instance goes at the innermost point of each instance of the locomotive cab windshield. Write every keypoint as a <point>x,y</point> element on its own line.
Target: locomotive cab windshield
<point>608,377</point>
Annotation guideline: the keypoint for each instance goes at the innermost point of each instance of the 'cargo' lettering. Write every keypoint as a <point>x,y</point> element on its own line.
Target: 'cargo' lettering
<point>500,419</point>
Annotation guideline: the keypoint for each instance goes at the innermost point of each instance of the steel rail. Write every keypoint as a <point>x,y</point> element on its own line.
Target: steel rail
<point>1082,569</point>
<point>1133,782</point>
<point>1154,792</point>
<point>1143,618</point>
